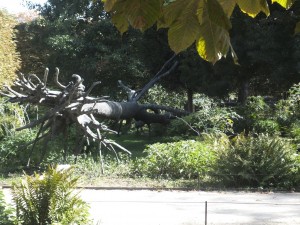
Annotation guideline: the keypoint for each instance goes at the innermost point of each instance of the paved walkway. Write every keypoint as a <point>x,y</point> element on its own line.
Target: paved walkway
<point>122,207</point>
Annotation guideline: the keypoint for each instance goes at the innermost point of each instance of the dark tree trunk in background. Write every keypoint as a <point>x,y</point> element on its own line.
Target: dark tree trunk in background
<point>190,105</point>
<point>243,91</point>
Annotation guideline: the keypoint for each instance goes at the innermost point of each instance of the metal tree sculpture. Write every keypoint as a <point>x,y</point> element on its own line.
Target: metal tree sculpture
<point>71,105</point>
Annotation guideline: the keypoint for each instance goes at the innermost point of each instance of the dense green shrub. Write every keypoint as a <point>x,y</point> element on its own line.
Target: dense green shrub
<point>7,212</point>
<point>49,199</point>
<point>256,108</point>
<point>296,173</point>
<point>11,117</point>
<point>210,118</point>
<point>294,132</point>
<point>183,159</point>
<point>160,96</point>
<point>14,151</point>
<point>288,110</point>
<point>266,126</point>
<point>256,161</point>
<point>255,113</point>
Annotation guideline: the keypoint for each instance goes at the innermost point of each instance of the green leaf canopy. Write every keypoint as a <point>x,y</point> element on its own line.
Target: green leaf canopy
<point>204,22</point>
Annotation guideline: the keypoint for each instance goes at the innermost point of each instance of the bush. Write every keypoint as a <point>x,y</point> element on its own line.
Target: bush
<point>160,96</point>
<point>255,112</point>
<point>257,161</point>
<point>13,149</point>
<point>266,126</point>
<point>210,118</point>
<point>6,212</point>
<point>11,117</point>
<point>256,108</point>
<point>183,159</point>
<point>49,199</point>
<point>296,172</point>
<point>288,110</point>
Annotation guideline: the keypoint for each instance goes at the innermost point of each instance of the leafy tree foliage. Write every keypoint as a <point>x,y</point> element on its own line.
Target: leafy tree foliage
<point>79,37</point>
<point>267,52</point>
<point>268,58</point>
<point>204,22</point>
<point>9,58</point>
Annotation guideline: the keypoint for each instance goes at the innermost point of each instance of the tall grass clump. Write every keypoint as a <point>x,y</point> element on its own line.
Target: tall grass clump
<point>257,161</point>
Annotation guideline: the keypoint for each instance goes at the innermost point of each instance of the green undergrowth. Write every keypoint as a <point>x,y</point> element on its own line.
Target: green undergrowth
<point>136,143</point>
<point>213,161</point>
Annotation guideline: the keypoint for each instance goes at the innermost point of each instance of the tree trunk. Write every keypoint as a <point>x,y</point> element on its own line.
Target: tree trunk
<point>112,110</point>
<point>243,91</point>
<point>190,105</point>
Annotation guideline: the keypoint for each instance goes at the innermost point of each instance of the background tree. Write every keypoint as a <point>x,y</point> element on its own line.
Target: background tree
<point>204,22</point>
<point>266,49</point>
<point>9,58</point>
<point>80,38</point>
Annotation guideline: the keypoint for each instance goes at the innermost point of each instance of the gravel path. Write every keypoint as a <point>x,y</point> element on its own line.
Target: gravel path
<point>123,207</point>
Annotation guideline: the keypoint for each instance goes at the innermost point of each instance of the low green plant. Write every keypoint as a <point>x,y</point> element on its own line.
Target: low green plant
<point>296,172</point>
<point>14,151</point>
<point>267,161</point>
<point>49,199</point>
<point>257,116</point>
<point>89,167</point>
<point>209,118</point>
<point>256,108</point>
<point>287,111</point>
<point>11,117</point>
<point>7,212</point>
<point>183,159</point>
<point>294,132</point>
<point>267,126</point>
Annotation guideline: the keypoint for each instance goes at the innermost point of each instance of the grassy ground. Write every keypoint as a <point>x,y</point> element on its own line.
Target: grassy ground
<point>136,143</point>
<point>116,174</point>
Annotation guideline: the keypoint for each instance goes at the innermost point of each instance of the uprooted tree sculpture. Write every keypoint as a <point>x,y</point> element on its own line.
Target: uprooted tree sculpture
<point>71,105</point>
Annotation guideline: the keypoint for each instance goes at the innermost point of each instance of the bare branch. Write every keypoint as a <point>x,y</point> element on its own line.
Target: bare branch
<point>119,146</point>
<point>153,81</point>
<point>130,92</point>
<point>14,92</point>
<point>78,78</point>
<point>6,95</point>
<point>35,77</point>
<point>91,88</point>
<point>174,111</point>
<point>26,85</point>
<point>46,76</point>
<point>165,65</point>
<point>189,125</point>
<point>22,77</point>
<point>56,79</point>
<point>46,117</point>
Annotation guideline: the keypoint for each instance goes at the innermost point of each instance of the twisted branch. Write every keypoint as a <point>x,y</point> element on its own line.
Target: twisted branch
<point>46,77</point>
<point>56,79</point>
